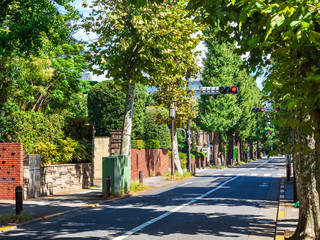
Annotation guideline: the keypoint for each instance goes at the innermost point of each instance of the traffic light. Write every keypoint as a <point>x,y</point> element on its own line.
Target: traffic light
<point>255,110</point>
<point>232,90</point>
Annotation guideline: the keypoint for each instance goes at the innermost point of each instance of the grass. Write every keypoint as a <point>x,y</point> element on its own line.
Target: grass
<point>13,218</point>
<point>177,176</point>
<point>135,186</point>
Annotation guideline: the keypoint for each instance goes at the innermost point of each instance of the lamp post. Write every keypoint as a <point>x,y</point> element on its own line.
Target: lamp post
<point>172,115</point>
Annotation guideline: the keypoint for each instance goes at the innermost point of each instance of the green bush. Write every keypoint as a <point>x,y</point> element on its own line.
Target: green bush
<point>31,127</point>
<point>48,152</point>
<point>152,144</point>
<point>147,144</point>
<point>106,102</point>
<point>67,151</point>
<point>198,154</point>
<point>183,163</point>
<point>155,130</point>
<point>139,144</point>
<point>182,155</point>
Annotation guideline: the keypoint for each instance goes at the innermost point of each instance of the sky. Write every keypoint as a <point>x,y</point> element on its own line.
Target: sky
<point>81,35</point>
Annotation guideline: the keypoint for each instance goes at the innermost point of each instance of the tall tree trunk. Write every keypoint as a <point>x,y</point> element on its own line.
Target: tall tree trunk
<point>258,151</point>
<point>255,153</point>
<point>175,153</point>
<point>251,150</point>
<point>216,141</point>
<point>307,178</point>
<point>127,122</point>
<point>238,143</point>
<point>242,152</point>
<point>230,149</point>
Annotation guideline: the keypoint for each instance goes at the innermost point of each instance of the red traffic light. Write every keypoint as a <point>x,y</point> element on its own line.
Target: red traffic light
<point>224,90</point>
<point>234,89</point>
<point>255,110</point>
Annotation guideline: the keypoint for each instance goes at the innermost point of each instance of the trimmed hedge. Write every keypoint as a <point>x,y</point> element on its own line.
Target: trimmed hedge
<point>146,144</point>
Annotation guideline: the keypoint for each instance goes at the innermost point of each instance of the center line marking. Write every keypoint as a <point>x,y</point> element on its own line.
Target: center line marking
<point>136,229</point>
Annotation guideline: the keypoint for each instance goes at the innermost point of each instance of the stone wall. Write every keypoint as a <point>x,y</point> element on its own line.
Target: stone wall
<point>65,177</point>
<point>11,169</point>
<point>151,162</point>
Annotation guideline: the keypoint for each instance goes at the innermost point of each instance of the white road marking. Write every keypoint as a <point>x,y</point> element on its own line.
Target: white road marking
<point>192,194</point>
<point>138,228</point>
<point>241,174</point>
<point>229,174</point>
<point>254,174</point>
<point>267,175</point>
<point>264,184</point>
<point>187,183</point>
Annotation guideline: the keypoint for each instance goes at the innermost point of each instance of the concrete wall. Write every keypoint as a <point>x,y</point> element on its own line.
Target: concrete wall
<point>101,149</point>
<point>11,169</point>
<point>151,162</point>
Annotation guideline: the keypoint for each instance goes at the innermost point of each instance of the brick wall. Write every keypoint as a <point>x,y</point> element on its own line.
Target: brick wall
<point>151,162</point>
<point>11,169</point>
<point>200,163</point>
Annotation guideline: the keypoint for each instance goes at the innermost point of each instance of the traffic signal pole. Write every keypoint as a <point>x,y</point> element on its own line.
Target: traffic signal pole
<point>188,147</point>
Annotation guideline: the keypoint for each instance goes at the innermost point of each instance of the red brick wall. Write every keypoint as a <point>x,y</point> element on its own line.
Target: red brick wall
<point>11,169</point>
<point>151,162</point>
<point>199,163</point>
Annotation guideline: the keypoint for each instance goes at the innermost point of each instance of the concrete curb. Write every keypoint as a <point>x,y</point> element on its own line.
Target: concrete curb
<point>280,229</point>
<point>9,228</point>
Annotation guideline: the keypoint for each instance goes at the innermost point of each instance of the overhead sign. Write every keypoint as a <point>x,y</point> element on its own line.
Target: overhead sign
<point>204,150</point>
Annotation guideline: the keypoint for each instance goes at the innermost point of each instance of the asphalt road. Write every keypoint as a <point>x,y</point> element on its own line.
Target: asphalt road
<point>237,203</point>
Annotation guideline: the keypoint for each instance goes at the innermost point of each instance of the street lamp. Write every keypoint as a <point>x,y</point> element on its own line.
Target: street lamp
<point>172,115</point>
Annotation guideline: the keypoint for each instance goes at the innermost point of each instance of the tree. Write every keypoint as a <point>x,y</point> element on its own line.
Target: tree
<point>106,108</point>
<point>135,45</point>
<point>156,129</point>
<point>26,26</point>
<point>285,34</point>
<point>226,114</point>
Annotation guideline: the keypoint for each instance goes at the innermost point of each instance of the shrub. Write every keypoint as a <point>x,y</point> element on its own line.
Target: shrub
<point>182,155</point>
<point>70,150</point>
<point>152,144</point>
<point>67,151</point>
<point>139,144</point>
<point>31,127</point>
<point>183,163</point>
<point>48,152</point>
<point>199,154</point>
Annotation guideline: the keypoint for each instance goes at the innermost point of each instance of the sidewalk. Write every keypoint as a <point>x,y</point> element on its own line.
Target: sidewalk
<point>287,218</point>
<point>50,206</point>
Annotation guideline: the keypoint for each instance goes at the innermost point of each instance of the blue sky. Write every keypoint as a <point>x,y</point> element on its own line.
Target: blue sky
<point>83,36</point>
